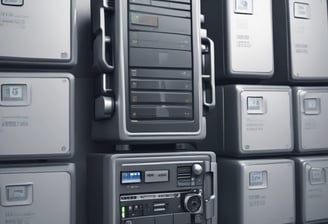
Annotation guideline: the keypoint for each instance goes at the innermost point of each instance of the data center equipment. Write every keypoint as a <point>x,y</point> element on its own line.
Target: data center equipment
<point>249,38</point>
<point>161,188</point>
<point>36,115</point>
<point>150,56</point>
<point>255,119</point>
<point>256,191</point>
<point>312,189</point>
<point>38,32</point>
<point>311,118</point>
<point>308,34</point>
<point>37,194</point>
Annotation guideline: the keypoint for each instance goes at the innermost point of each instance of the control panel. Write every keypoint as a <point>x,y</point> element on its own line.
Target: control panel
<point>170,188</point>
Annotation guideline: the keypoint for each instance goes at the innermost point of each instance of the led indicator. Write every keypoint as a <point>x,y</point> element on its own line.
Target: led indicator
<point>123,212</point>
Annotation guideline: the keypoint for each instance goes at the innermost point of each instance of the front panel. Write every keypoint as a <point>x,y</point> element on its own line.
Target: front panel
<point>256,119</point>
<point>161,49</point>
<point>37,195</point>
<point>250,38</point>
<point>312,118</point>
<point>35,32</point>
<point>308,25</point>
<point>266,119</point>
<point>36,115</point>
<point>313,188</point>
<point>157,81</point>
<point>268,193</point>
<point>165,188</point>
<point>256,191</point>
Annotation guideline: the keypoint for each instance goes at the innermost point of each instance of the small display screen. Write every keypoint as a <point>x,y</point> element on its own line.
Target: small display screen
<point>13,92</point>
<point>131,177</point>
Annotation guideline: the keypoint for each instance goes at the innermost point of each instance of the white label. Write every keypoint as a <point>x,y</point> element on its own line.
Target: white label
<point>255,105</point>
<point>312,106</point>
<point>244,6</point>
<point>302,10</point>
<point>15,92</point>
<point>317,176</point>
<point>258,180</point>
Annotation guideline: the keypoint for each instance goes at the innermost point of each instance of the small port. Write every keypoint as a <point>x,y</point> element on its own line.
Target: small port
<point>159,207</point>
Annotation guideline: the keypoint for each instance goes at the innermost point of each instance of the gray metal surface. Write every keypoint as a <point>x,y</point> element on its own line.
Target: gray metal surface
<point>257,119</point>
<point>50,192</point>
<point>250,38</point>
<point>42,124</point>
<point>308,25</point>
<point>311,118</point>
<point>312,189</point>
<point>105,188</point>
<point>38,32</point>
<point>256,191</point>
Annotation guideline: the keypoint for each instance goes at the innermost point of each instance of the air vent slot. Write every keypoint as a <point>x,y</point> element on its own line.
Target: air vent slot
<point>184,176</point>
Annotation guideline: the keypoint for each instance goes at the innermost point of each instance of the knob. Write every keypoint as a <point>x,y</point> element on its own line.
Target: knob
<point>193,203</point>
<point>202,19</point>
<point>197,169</point>
<point>104,107</point>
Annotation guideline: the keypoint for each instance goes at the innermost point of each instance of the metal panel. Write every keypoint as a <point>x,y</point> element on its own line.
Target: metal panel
<point>311,108</point>
<point>258,119</point>
<point>250,38</point>
<point>41,124</point>
<point>313,189</point>
<point>271,202</point>
<point>48,204</point>
<point>308,24</point>
<point>35,32</point>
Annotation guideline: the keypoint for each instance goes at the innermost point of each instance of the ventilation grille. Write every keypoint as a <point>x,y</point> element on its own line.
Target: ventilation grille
<point>184,176</point>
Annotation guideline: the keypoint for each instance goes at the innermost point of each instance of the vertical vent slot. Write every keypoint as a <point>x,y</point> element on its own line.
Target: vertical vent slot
<point>184,176</point>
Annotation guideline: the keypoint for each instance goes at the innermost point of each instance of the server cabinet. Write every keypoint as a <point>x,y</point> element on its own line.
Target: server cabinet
<point>249,38</point>
<point>37,194</point>
<point>308,34</point>
<point>149,57</point>
<point>256,191</point>
<point>36,115</point>
<point>170,188</point>
<point>312,189</point>
<point>256,119</point>
<point>311,118</point>
<point>38,32</point>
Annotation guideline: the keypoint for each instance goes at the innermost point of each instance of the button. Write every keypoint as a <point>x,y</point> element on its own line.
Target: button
<point>160,97</point>
<point>162,112</point>
<point>312,106</point>
<point>161,85</point>
<point>255,105</point>
<point>13,93</point>
<point>17,195</point>
<point>244,6</point>
<point>302,10</point>
<point>317,176</point>
<point>12,2</point>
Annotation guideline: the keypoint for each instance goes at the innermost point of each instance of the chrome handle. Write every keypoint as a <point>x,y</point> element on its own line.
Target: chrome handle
<point>207,42</point>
